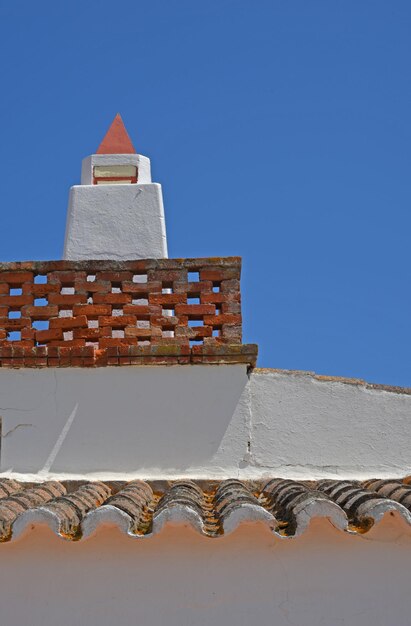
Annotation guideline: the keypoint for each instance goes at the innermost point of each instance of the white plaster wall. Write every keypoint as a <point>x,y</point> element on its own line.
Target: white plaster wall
<point>324,578</point>
<point>115,222</point>
<point>200,421</point>
<point>150,421</point>
<point>303,426</point>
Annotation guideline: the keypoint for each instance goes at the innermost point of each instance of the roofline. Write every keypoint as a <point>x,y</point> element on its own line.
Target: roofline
<point>359,382</point>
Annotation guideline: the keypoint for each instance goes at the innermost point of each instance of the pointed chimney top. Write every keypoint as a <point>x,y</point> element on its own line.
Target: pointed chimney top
<point>117,140</point>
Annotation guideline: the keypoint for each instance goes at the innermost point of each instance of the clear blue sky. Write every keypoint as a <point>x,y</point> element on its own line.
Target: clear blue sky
<point>280,131</point>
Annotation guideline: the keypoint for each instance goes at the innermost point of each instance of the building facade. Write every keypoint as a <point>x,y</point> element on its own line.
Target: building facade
<point>151,473</point>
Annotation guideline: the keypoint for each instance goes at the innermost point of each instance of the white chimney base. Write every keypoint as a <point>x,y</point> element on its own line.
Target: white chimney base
<point>115,222</point>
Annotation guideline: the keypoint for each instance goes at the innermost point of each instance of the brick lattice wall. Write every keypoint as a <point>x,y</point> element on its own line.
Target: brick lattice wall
<point>98,312</point>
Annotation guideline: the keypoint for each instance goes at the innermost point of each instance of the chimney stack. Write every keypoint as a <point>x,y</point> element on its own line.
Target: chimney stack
<point>117,211</point>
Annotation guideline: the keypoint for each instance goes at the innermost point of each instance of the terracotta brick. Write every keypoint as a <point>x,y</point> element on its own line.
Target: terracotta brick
<point>67,300</point>
<point>92,310</point>
<point>101,358</point>
<point>108,342</point>
<point>112,298</point>
<point>165,320</point>
<point>193,290</point>
<point>195,332</point>
<point>72,343</point>
<point>66,278</point>
<point>142,333</point>
<point>18,351</point>
<point>231,307</point>
<point>168,298</point>
<point>114,277</point>
<point>219,297</point>
<point>14,324</point>
<point>40,291</point>
<point>53,352</point>
<point>77,361</point>
<point>167,276</point>
<point>65,356</point>
<point>119,321</point>
<point>91,334</point>
<point>16,301</point>
<point>217,275</point>
<point>194,311</point>
<point>41,351</point>
<point>44,336</point>
<point>218,320</point>
<point>92,287</point>
<point>230,286</point>
<point>69,322</point>
<point>112,350</point>
<point>141,288</point>
<point>83,351</point>
<point>16,278</point>
<point>232,333</point>
<point>140,311</point>
<point>28,333</point>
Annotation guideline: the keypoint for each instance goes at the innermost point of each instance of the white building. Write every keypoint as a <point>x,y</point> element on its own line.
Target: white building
<point>150,473</point>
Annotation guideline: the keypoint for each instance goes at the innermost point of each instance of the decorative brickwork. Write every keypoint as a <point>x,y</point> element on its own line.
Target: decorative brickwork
<point>107,313</point>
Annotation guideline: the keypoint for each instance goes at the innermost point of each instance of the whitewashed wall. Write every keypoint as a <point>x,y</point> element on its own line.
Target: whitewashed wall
<point>199,421</point>
<point>324,578</point>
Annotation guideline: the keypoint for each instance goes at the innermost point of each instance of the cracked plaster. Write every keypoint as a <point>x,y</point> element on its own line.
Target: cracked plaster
<point>200,422</point>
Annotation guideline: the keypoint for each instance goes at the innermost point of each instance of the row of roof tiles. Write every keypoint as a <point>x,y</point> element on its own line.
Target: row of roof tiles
<point>140,509</point>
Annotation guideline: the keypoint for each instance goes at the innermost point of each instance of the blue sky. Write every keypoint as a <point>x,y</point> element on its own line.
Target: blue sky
<point>280,131</point>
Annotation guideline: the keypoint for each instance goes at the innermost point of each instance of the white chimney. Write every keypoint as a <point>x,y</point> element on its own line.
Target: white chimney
<point>116,212</point>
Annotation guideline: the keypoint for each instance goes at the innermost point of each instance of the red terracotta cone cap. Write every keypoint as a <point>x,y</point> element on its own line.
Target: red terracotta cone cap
<point>117,140</point>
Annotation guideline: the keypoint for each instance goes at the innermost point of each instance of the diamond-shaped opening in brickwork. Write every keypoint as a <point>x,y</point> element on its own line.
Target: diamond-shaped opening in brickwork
<point>40,279</point>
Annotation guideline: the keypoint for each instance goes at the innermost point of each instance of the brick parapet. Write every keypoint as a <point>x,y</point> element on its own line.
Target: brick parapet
<point>92,313</point>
